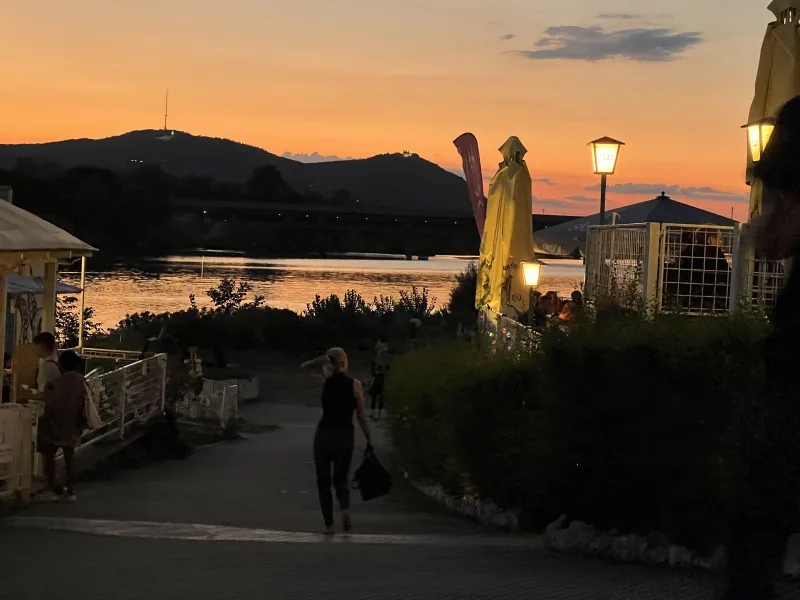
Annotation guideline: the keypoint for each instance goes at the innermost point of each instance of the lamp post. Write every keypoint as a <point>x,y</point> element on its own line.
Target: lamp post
<point>758,134</point>
<point>605,152</point>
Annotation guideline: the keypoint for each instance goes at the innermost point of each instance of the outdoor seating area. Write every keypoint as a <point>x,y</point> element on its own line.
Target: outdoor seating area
<point>677,268</point>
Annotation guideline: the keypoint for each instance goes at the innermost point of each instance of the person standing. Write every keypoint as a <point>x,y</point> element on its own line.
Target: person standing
<point>61,425</point>
<point>48,359</point>
<point>342,397</point>
<point>379,369</point>
<point>770,454</point>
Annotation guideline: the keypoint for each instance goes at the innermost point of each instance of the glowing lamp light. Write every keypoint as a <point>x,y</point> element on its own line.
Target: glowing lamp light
<point>605,153</point>
<point>531,272</point>
<point>758,134</point>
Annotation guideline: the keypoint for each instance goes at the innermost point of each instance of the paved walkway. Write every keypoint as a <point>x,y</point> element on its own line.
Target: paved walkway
<point>238,520</point>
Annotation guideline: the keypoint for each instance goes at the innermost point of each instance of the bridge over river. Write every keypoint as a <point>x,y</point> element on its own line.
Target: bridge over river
<point>295,228</point>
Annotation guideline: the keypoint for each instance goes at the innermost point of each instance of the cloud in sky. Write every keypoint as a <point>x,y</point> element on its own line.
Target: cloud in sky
<point>654,189</point>
<point>545,181</point>
<point>618,16</point>
<point>314,157</point>
<point>592,44</point>
<point>508,36</point>
<point>539,203</point>
<point>584,199</point>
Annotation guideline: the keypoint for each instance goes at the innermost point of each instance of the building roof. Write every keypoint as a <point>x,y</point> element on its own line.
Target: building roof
<point>21,231</point>
<point>569,239</point>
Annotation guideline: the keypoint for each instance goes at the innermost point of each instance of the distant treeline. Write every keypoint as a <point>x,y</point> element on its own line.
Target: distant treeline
<point>129,213</point>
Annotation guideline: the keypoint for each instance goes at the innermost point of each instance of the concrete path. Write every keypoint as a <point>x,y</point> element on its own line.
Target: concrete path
<point>238,520</point>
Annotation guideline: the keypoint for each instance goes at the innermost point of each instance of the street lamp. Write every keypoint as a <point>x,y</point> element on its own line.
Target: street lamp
<point>758,134</point>
<point>605,152</point>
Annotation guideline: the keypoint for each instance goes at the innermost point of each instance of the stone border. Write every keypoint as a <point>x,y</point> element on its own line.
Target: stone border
<point>485,512</point>
<point>580,538</point>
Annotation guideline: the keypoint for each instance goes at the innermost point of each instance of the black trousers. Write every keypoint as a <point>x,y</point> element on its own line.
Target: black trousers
<point>48,452</point>
<point>333,450</point>
<point>377,391</point>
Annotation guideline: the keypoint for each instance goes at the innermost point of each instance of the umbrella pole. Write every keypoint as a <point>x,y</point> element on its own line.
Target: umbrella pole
<point>83,302</point>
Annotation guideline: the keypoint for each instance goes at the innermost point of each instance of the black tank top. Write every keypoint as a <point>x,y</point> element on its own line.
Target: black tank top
<point>338,403</point>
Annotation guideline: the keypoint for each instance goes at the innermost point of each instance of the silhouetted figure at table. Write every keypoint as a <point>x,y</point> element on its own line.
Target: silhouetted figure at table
<point>700,278</point>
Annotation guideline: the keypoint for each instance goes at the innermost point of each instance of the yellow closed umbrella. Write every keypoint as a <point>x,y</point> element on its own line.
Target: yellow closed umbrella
<point>507,238</point>
<point>778,78</point>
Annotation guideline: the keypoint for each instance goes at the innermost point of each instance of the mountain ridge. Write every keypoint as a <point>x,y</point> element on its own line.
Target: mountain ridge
<point>383,181</point>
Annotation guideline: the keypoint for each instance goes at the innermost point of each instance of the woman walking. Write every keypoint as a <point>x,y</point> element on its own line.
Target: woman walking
<point>342,396</point>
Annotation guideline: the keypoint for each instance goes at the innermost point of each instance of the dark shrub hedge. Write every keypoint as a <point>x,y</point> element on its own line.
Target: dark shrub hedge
<point>627,424</point>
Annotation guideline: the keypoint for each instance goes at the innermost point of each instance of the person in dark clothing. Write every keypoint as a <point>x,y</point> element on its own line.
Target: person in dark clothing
<point>342,396</point>
<point>6,383</point>
<point>379,370</point>
<point>770,453</point>
<point>700,279</point>
<point>61,425</point>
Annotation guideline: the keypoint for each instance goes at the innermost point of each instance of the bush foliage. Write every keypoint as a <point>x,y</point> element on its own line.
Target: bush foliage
<point>239,320</point>
<point>625,424</point>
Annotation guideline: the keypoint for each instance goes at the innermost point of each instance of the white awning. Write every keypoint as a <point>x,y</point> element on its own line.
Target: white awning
<point>21,231</point>
<point>20,284</point>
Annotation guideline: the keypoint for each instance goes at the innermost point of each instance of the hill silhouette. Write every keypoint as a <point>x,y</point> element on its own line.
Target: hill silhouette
<point>389,180</point>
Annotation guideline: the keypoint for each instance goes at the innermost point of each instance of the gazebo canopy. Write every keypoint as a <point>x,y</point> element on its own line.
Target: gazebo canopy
<point>23,232</point>
<point>569,239</point>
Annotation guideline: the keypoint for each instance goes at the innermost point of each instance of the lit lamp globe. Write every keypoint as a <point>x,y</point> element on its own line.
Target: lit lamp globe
<point>531,271</point>
<point>605,153</point>
<point>758,134</point>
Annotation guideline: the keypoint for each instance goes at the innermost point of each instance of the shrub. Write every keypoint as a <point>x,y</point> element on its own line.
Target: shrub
<point>68,322</point>
<point>462,296</point>
<point>628,425</point>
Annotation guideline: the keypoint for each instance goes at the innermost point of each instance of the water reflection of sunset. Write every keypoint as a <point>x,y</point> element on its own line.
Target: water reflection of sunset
<point>161,286</point>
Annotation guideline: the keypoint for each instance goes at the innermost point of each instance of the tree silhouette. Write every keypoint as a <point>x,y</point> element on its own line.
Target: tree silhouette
<point>266,184</point>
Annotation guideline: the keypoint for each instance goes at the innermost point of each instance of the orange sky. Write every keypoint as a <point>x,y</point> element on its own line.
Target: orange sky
<point>362,77</point>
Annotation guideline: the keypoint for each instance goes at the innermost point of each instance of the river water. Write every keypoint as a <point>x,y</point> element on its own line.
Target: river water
<point>165,284</point>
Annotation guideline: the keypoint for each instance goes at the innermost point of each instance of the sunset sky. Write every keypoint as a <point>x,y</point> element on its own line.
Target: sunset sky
<point>354,78</point>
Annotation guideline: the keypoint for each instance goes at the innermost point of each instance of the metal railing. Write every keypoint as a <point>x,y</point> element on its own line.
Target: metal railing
<point>689,269</point>
<point>615,259</point>
<point>695,269</point>
<point>217,402</point>
<point>127,397</point>
<point>504,333</point>
<point>16,450</point>
<point>756,281</point>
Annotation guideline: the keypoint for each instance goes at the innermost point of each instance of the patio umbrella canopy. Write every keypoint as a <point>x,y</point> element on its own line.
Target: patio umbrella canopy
<point>507,236</point>
<point>778,77</point>
<point>568,240</point>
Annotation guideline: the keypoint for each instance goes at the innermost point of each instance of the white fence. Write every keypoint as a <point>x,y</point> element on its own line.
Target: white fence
<point>127,397</point>
<point>16,450</point>
<point>123,356</point>
<point>217,402</point>
<point>687,269</point>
